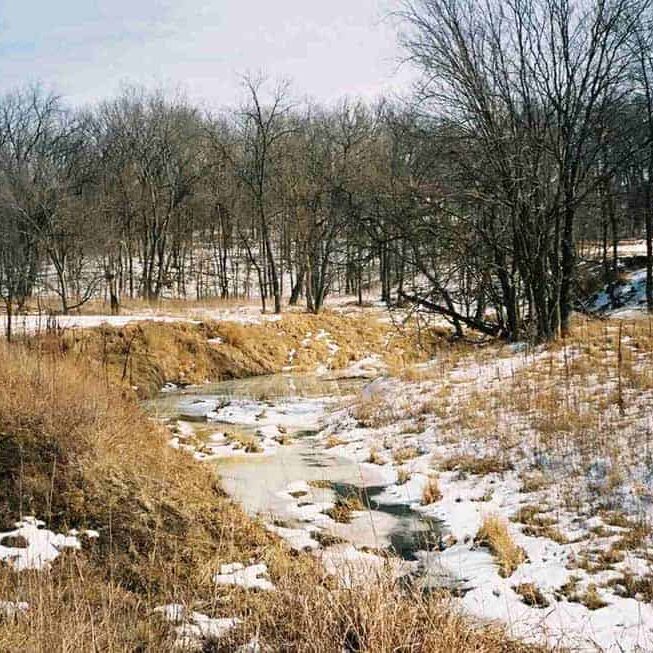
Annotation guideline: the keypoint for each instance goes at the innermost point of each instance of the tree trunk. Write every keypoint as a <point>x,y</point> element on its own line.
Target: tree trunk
<point>10,305</point>
<point>298,287</point>
<point>568,266</point>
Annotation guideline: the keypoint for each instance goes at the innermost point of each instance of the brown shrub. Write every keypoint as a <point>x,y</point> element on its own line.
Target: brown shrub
<point>431,492</point>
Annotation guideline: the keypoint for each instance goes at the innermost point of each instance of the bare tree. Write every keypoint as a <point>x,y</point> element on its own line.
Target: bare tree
<point>522,84</point>
<point>263,130</point>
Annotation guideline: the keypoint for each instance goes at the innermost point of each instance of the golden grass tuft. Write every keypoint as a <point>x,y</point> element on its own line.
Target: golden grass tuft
<point>531,595</point>
<point>534,482</point>
<point>283,439</point>
<point>494,534</point>
<point>403,476</point>
<point>633,587</point>
<point>322,484</point>
<point>344,508</point>
<point>590,598</point>
<point>246,441</point>
<point>431,492</point>
<point>375,458</point>
<point>333,441</point>
<point>403,454</point>
<point>373,411</point>
<point>479,466</point>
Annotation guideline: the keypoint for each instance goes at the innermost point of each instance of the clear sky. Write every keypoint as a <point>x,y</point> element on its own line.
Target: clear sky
<point>85,49</point>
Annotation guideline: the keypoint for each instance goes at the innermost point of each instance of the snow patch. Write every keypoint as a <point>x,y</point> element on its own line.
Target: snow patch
<point>247,577</point>
<point>43,546</point>
<point>13,609</point>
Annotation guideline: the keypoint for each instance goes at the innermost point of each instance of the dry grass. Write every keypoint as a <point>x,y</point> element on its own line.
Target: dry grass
<point>321,484</point>
<point>345,507</point>
<point>74,608</point>
<point>494,534</point>
<point>531,595</point>
<point>616,518</point>
<point>633,587</point>
<point>534,482</point>
<point>76,453</point>
<point>419,374</point>
<point>246,441</point>
<point>378,618</point>
<point>479,466</point>
<point>431,492</point>
<point>403,454</point>
<point>580,407</point>
<point>635,538</point>
<point>538,523</point>
<point>403,476</point>
<point>373,411</point>
<point>71,609</point>
<point>375,458</point>
<point>147,354</point>
<point>283,438</point>
<point>139,306</point>
<point>333,441</point>
<point>590,598</point>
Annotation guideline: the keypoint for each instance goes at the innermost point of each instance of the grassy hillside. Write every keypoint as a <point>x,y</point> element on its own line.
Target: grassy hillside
<point>145,355</point>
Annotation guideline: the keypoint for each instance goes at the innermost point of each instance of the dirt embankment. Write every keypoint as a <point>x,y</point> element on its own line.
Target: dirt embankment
<point>143,356</point>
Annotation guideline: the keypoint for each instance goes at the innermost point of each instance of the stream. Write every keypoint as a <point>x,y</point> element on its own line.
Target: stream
<point>293,480</point>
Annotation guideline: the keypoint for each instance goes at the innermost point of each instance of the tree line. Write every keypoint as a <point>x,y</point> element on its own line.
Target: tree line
<point>528,139</point>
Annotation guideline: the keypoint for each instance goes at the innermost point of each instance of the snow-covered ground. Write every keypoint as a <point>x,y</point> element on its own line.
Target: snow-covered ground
<point>573,556</point>
<point>34,323</point>
<point>625,248</point>
<point>31,546</point>
<point>626,300</point>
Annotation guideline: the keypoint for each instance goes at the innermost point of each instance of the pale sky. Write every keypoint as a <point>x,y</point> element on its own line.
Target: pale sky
<point>86,49</point>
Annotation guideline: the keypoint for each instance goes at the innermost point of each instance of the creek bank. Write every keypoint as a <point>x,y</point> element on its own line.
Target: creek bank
<point>144,356</point>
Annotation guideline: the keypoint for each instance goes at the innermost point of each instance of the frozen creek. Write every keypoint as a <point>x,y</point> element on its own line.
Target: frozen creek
<point>292,486</point>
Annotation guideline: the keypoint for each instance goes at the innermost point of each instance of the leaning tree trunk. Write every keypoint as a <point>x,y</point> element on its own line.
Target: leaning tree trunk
<point>568,264</point>
<point>649,242</point>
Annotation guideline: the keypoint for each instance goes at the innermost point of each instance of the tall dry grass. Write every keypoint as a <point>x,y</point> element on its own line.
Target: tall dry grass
<point>494,534</point>
<point>77,454</point>
<point>145,355</point>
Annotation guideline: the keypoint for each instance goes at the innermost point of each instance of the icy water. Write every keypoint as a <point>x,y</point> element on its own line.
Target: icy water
<point>263,483</point>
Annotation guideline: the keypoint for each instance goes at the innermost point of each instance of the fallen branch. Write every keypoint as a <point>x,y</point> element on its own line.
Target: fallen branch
<point>483,327</point>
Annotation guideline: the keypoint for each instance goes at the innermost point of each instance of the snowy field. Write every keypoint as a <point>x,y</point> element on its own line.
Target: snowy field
<point>591,570</point>
<point>552,442</point>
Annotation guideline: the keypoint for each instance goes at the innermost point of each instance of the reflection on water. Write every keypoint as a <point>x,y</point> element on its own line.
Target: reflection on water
<point>266,389</point>
<point>414,532</point>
